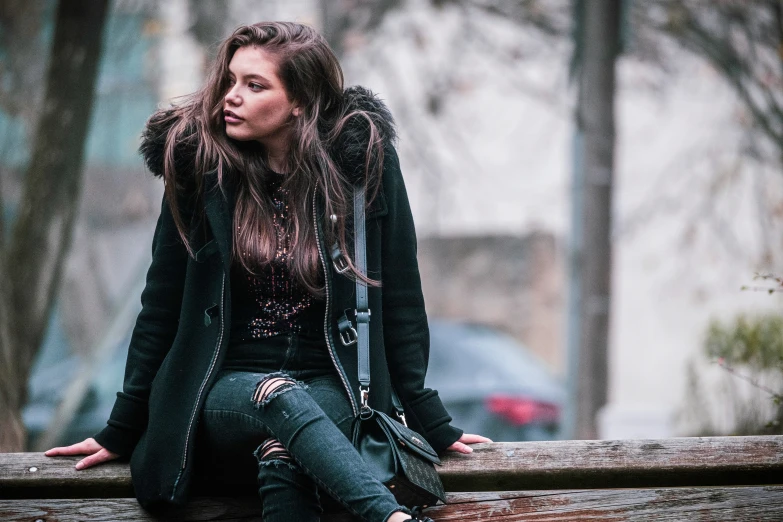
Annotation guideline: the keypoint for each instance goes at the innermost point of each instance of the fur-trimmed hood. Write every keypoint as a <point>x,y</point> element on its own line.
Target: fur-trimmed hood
<point>348,150</point>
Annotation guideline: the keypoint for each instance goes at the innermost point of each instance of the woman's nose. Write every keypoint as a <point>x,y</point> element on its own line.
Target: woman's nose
<point>232,96</point>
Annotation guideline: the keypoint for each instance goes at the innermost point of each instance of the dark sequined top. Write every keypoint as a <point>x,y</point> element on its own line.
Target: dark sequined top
<point>272,303</point>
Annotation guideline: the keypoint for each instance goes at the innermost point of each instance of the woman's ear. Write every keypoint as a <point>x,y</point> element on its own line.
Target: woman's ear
<point>297,111</point>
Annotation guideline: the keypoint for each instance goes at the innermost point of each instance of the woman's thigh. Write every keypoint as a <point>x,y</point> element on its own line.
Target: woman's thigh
<point>232,425</point>
<point>230,429</point>
<point>328,392</point>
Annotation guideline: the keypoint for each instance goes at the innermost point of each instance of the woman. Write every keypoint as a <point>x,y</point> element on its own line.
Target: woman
<point>237,349</point>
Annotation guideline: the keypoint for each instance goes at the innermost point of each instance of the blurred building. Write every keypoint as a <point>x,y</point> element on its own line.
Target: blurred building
<point>522,295</point>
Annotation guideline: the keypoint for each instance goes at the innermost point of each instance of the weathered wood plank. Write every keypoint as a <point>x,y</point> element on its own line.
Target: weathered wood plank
<point>569,464</point>
<point>23,475</point>
<point>727,504</point>
<point>510,466</point>
<point>667,504</point>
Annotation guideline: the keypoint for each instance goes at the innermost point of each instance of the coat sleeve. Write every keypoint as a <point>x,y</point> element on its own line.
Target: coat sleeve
<point>153,335</point>
<point>406,333</point>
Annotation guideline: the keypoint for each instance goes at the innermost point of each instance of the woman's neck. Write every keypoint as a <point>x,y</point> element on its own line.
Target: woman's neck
<point>277,156</point>
<point>278,165</point>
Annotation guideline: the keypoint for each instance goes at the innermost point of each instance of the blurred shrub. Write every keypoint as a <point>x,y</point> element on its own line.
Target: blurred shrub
<point>744,398</point>
<point>753,343</point>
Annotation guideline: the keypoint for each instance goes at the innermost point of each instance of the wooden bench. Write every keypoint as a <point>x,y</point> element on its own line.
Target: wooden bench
<point>715,478</point>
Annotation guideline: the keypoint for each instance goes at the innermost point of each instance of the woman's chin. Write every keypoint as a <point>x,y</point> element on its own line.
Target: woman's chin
<point>238,136</point>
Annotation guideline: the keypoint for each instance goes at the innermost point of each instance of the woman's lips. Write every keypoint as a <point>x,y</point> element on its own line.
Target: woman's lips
<point>230,117</point>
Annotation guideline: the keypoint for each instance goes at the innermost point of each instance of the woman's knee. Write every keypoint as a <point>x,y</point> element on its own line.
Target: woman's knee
<point>273,385</point>
<point>273,453</point>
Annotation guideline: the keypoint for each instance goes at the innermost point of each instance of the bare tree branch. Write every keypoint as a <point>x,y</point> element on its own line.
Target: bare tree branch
<point>742,40</point>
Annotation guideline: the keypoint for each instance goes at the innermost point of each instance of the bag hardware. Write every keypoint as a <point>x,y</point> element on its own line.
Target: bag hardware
<point>348,335</point>
<point>339,262</point>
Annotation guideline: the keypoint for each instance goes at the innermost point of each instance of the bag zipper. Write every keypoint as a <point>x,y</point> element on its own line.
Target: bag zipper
<point>327,313</point>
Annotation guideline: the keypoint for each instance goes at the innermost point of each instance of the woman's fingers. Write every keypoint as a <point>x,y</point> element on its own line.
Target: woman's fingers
<point>469,438</point>
<point>103,455</point>
<point>85,447</point>
<point>460,448</point>
<point>96,454</point>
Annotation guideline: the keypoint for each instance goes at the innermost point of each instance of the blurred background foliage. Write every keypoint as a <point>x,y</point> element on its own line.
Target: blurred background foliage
<point>753,342</point>
<point>742,394</point>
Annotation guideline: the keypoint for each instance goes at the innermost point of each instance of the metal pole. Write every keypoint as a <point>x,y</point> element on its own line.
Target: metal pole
<point>597,40</point>
<point>575,244</point>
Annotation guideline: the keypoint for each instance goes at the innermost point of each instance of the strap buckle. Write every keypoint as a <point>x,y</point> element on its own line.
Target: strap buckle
<point>340,265</point>
<point>348,334</point>
<point>349,337</point>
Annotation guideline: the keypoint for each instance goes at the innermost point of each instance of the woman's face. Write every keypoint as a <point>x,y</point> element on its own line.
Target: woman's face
<point>257,107</point>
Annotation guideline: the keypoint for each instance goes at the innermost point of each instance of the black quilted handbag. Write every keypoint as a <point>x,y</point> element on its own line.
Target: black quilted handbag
<point>397,455</point>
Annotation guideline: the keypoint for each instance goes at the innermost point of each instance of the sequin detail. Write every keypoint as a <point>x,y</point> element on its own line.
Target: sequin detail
<point>279,300</point>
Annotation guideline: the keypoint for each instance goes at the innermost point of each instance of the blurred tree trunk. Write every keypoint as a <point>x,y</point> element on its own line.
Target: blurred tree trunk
<point>22,65</point>
<point>33,255</point>
<point>209,23</point>
<point>598,44</point>
<point>342,19</point>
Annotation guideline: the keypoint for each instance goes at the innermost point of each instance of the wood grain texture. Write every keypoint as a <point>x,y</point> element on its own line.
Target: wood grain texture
<point>26,475</point>
<point>727,504</point>
<point>507,466</point>
<point>691,461</point>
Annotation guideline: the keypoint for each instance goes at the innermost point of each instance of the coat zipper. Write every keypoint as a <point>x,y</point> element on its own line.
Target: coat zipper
<point>203,385</point>
<point>326,314</point>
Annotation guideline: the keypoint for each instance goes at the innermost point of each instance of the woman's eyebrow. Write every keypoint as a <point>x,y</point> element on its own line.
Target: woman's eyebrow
<point>250,76</point>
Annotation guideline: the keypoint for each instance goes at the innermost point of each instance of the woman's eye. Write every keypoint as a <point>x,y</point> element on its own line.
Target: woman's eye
<point>231,82</point>
<point>255,87</point>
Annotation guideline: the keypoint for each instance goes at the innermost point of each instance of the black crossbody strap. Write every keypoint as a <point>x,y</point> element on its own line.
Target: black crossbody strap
<point>362,303</point>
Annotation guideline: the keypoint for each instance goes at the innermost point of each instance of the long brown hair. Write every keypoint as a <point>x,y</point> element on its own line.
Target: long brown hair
<point>313,79</point>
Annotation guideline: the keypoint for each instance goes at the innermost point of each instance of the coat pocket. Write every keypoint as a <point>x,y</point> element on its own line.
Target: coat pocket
<point>203,253</point>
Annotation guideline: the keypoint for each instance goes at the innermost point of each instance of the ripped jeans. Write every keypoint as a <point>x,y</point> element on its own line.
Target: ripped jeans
<point>298,434</point>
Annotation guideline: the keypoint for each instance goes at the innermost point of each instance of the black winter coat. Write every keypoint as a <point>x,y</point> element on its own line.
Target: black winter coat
<point>181,334</point>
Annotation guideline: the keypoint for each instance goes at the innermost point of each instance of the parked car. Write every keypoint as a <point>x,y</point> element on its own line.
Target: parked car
<point>493,385</point>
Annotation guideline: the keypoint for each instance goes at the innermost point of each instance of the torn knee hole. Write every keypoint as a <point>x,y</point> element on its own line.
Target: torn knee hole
<point>271,386</point>
<point>273,454</point>
<point>273,449</point>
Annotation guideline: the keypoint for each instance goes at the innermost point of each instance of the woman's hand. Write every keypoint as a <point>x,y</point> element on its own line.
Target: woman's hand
<point>96,454</point>
<point>461,446</point>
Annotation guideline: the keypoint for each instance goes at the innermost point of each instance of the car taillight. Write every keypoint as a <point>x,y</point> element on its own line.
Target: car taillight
<point>521,410</point>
